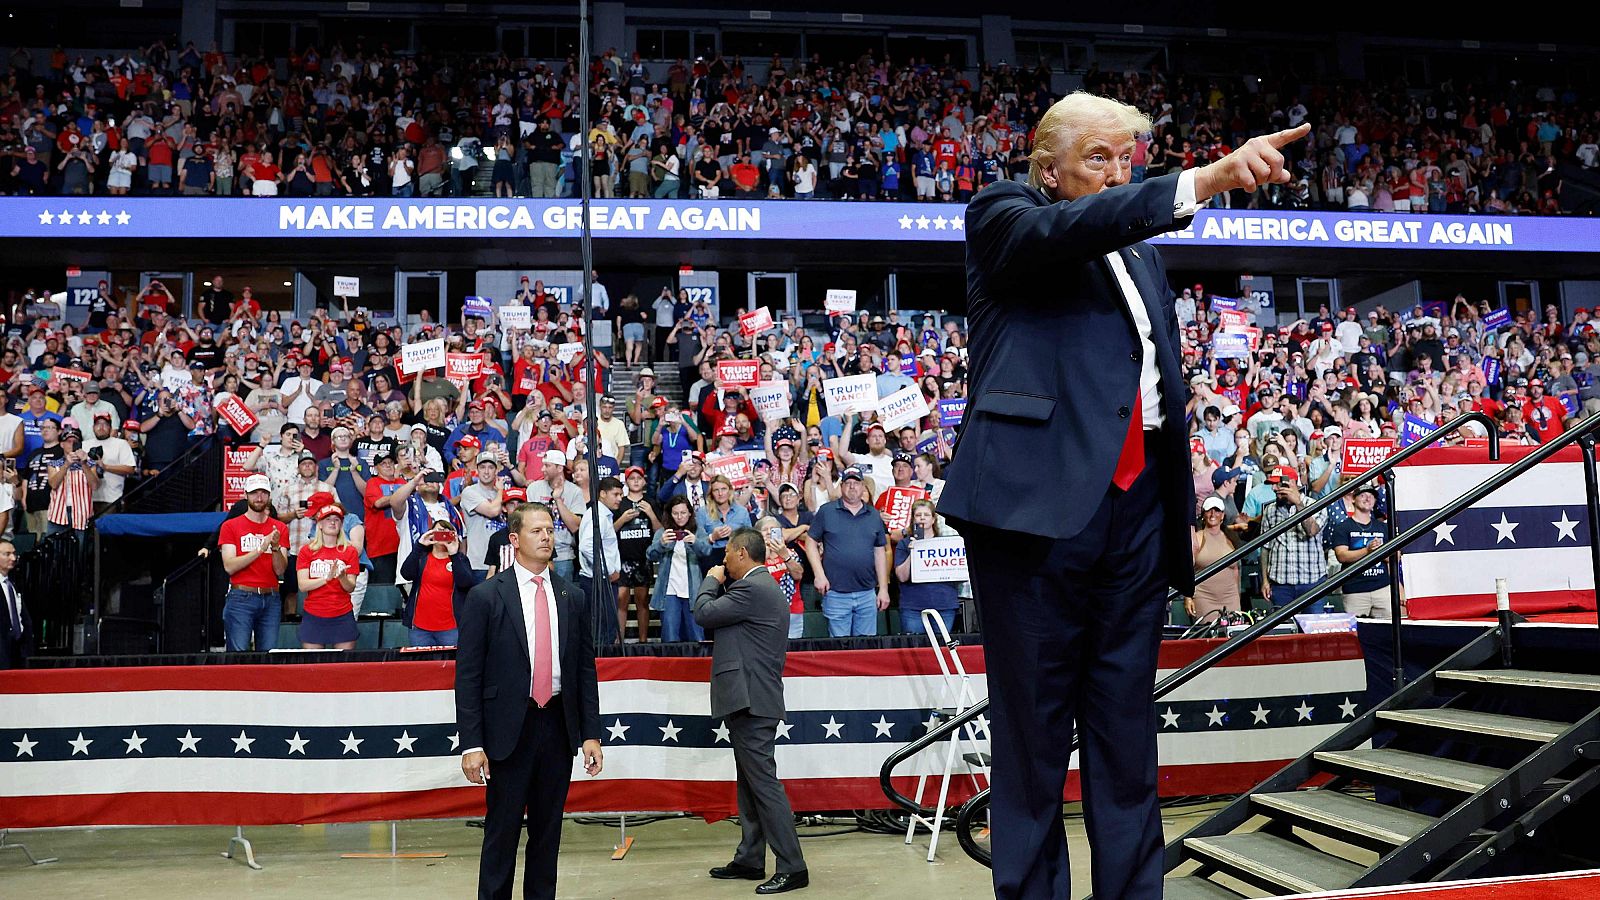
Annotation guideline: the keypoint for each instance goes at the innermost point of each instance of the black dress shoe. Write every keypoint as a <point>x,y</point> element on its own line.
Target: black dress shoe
<point>734,870</point>
<point>784,881</point>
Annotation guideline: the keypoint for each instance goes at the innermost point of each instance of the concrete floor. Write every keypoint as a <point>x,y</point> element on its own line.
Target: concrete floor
<point>668,861</point>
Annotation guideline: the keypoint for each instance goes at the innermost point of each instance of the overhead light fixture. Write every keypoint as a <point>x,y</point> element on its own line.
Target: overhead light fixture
<point>206,283</point>
<point>286,284</point>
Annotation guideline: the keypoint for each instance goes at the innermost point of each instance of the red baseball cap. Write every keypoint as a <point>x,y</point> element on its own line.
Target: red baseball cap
<point>514,493</point>
<point>727,428</point>
<point>467,440</point>
<point>632,469</point>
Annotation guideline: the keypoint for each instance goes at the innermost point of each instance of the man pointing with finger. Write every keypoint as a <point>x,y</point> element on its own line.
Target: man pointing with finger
<point>526,699</point>
<point>1074,365</point>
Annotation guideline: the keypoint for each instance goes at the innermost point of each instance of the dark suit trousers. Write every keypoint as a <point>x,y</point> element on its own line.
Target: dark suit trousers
<point>764,813</point>
<point>1072,628</point>
<point>534,777</point>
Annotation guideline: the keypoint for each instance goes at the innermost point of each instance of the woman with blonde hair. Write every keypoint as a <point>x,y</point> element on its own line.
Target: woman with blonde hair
<point>327,567</point>
<point>822,481</point>
<point>915,597</point>
<point>719,517</point>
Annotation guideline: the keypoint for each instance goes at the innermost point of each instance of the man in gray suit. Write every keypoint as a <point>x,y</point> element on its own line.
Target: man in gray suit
<point>747,618</point>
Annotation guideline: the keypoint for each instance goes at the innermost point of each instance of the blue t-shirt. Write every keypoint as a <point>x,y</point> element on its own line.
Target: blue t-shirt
<point>850,543</point>
<point>914,597</point>
<point>31,439</point>
<point>343,479</point>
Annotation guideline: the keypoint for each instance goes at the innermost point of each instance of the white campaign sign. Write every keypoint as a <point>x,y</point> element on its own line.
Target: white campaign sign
<point>938,559</point>
<point>851,393</point>
<point>771,400</point>
<point>422,355</point>
<point>566,353</point>
<point>902,407</point>
<point>840,300</point>
<point>346,286</point>
<point>177,380</point>
<point>515,316</point>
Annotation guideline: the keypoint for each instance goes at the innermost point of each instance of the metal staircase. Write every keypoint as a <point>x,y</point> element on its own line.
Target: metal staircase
<point>1457,780</point>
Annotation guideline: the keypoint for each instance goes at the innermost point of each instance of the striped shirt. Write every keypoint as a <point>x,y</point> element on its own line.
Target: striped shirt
<point>72,501</point>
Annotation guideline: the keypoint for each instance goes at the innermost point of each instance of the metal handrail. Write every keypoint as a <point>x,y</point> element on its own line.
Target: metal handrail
<point>1583,431</point>
<point>949,725</point>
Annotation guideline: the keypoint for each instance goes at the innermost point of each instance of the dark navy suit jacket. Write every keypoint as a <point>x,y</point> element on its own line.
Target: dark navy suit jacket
<point>1054,362</point>
<point>493,674</point>
<point>14,653</point>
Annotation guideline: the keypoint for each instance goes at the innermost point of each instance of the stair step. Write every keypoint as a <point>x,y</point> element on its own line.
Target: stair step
<point>1193,887</point>
<point>1469,721</point>
<point>979,760</point>
<point>1352,815</point>
<point>1565,681</point>
<point>1274,861</point>
<point>1418,768</point>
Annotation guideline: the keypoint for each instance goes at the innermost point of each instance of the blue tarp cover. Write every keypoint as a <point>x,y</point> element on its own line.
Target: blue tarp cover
<point>159,524</point>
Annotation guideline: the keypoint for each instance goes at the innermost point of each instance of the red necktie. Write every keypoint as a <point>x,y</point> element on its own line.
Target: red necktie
<point>1131,461</point>
<point>543,670</point>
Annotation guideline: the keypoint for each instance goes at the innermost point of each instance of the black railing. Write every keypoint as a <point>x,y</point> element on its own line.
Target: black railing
<point>1277,616</point>
<point>190,483</point>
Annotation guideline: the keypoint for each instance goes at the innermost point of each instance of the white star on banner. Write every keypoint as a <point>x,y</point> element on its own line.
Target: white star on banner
<point>1566,528</point>
<point>135,743</point>
<point>618,731</point>
<point>455,741</point>
<point>1169,719</point>
<point>81,745</point>
<point>922,223</point>
<point>1503,530</point>
<point>242,742</point>
<point>784,728</point>
<point>982,723</point>
<point>123,217</point>
<point>189,742</point>
<point>833,729</point>
<point>905,222</point>
<point>84,218</point>
<point>46,217</point>
<point>721,731</point>
<point>882,727</point>
<point>403,743</point>
<point>1215,716</point>
<point>24,746</point>
<point>64,217</point>
<point>1305,710</point>
<point>297,744</point>
<point>669,732</point>
<point>958,222</point>
<point>1445,533</point>
<point>1347,709</point>
<point>939,222</point>
<point>104,218</point>
<point>352,744</point>
<point>1260,713</point>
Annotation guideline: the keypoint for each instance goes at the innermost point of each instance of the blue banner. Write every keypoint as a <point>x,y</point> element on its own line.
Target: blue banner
<point>478,306</point>
<point>1229,303</point>
<point>279,217</point>
<point>1230,345</point>
<point>928,444</point>
<point>952,411</point>
<point>1491,370</point>
<point>1570,403</point>
<point>1413,429</point>
<point>1295,389</point>
<point>1500,318</point>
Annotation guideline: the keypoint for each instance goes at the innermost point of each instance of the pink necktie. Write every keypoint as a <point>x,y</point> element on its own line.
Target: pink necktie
<point>543,670</point>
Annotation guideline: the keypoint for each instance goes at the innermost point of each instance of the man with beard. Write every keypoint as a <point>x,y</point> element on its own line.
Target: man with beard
<point>207,351</point>
<point>255,553</point>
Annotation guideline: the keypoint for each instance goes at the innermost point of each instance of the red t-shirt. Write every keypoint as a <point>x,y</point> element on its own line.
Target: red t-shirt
<point>331,599</point>
<point>435,595</point>
<point>1545,418</point>
<point>160,150</point>
<point>779,568</point>
<point>245,537</point>
<point>383,538</point>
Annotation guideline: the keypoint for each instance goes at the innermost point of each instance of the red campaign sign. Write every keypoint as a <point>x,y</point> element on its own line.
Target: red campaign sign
<point>733,466</point>
<point>1229,319</point>
<point>755,321</point>
<point>740,373</point>
<point>462,365</point>
<point>1361,455</point>
<point>62,373</point>
<point>237,414</point>
<point>1476,443</point>
<point>234,473</point>
<point>1254,334</point>
<point>896,506</point>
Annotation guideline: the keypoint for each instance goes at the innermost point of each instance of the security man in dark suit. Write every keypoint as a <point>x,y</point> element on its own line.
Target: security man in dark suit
<point>747,618</point>
<point>526,698</point>
<point>16,628</point>
<point>1073,356</point>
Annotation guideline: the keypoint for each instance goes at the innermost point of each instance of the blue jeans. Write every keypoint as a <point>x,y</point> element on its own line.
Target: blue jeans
<point>245,614</point>
<point>404,190</point>
<point>423,638</point>
<point>797,625</point>
<point>1285,594</point>
<point>566,568</point>
<point>911,621</point>
<point>851,613</point>
<point>677,621</point>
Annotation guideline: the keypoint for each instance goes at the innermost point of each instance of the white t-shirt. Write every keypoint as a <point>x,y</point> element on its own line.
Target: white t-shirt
<point>805,179</point>
<point>297,409</point>
<point>117,452</point>
<point>9,423</point>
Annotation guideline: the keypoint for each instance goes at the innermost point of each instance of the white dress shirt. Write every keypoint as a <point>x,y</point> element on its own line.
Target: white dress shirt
<point>608,543</point>
<point>1183,206</point>
<point>525,579</point>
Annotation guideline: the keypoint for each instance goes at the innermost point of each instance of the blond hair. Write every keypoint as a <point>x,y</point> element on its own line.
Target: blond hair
<point>1075,117</point>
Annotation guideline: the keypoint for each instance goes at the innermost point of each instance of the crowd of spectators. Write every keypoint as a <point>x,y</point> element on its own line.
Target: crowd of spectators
<point>433,465</point>
<point>366,122</point>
